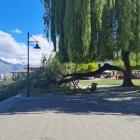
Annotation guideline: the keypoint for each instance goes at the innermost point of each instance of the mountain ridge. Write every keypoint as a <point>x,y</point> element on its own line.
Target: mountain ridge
<point>6,67</point>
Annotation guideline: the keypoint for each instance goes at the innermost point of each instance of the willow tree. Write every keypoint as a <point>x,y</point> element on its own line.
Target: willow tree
<point>125,35</point>
<point>90,30</point>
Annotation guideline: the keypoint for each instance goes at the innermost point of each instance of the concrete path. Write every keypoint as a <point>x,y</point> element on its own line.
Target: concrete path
<point>82,117</point>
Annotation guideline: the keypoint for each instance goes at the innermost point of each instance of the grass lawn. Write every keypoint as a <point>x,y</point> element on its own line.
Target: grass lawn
<point>11,89</point>
<point>85,83</point>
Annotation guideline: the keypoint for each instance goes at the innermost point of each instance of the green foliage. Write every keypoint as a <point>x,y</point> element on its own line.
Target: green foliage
<point>134,61</point>
<point>88,67</point>
<point>98,30</point>
<point>124,19</point>
<point>94,29</point>
<point>13,88</point>
<point>118,63</point>
<point>55,67</point>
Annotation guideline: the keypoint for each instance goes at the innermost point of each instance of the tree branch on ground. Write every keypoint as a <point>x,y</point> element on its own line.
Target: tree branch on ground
<point>79,76</point>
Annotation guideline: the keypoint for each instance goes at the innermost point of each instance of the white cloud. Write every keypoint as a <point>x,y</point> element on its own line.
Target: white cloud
<point>17,31</point>
<point>16,52</point>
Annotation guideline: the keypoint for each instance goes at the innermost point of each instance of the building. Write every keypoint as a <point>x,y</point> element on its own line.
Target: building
<point>23,72</point>
<point>1,78</point>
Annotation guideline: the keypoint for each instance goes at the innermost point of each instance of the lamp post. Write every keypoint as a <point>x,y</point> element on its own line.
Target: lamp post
<point>28,56</point>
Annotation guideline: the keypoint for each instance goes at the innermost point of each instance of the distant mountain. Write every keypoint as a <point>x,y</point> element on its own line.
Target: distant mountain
<point>6,67</point>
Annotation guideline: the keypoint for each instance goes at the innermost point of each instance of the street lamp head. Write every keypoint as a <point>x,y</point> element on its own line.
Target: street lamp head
<point>37,46</point>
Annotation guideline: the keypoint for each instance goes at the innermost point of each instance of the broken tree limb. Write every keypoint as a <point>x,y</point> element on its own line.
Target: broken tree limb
<point>78,76</point>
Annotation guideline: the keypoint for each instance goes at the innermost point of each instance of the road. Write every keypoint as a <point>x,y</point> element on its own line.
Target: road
<point>68,117</point>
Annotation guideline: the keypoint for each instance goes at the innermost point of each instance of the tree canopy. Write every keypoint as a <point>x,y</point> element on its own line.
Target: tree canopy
<point>93,29</point>
<point>88,30</point>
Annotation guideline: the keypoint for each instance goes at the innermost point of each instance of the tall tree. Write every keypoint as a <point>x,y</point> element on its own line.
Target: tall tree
<point>125,36</point>
<point>95,30</point>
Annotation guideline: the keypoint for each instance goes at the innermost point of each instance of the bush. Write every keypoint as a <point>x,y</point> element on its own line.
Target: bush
<point>55,67</point>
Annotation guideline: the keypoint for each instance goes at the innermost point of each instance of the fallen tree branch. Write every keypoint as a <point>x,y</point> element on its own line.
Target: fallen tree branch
<point>78,76</point>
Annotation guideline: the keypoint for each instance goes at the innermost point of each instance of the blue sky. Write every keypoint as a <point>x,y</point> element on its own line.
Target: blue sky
<point>25,15</point>
<point>17,17</point>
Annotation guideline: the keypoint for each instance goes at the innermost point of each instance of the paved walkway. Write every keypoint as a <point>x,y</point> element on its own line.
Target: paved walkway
<point>57,117</point>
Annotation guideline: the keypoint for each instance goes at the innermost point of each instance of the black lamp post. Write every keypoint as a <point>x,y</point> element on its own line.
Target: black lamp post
<point>28,55</point>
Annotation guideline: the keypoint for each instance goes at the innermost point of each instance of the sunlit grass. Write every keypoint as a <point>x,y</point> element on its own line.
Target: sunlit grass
<point>85,83</point>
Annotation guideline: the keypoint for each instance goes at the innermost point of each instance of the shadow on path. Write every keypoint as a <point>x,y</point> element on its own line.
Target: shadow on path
<point>106,100</point>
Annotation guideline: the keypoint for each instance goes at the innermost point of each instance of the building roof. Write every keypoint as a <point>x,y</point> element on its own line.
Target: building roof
<point>33,67</point>
<point>20,71</point>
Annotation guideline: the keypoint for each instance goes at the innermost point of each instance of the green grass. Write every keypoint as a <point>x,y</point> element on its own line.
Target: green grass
<point>85,83</point>
<point>10,89</point>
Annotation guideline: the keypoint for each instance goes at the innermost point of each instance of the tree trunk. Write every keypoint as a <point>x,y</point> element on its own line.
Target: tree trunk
<point>127,80</point>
